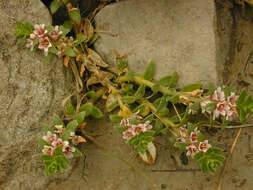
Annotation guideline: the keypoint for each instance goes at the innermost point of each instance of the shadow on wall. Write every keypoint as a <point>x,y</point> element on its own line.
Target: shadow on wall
<point>85,6</point>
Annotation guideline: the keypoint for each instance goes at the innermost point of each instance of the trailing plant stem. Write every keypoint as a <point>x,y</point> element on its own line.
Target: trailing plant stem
<point>165,120</point>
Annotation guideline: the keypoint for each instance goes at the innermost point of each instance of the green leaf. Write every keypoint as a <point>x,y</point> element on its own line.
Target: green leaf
<point>150,118</point>
<point>130,76</point>
<point>201,137</point>
<point>47,128</point>
<point>53,49</point>
<point>172,99</point>
<point>140,91</point>
<point>119,128</point>
<point>92,110</point>
<point>181,146</point>
<point>68,25</point>
<point>71,127</point>
<point>115,118</point>
<point>80,117</point>
<point>122,64</point>
<point>48,58</point>
<point>92,94</point>
<point>211,160</point>
<point>211,88</point>
<point>65,30</point>
<point>77,153</point>
<point>54,6</point>
<point>195,106</point>
<point>49,28</point>
<point>141,141</point>
<point>69,108</point>
<point>43,143</point>
<point>192,87</point>
<point>23,30</point>
<point>80,39</point>
<point>210,107</point>
<point>160,127</point>
<point>57,120</point>
<point>128,99</point>
<point>162,104</point>
<point>128,89</point>
<point>94,38</point>
<point>75,16</point>
<point>111,103</point>
<point>65,1</point>
<point>169,81</point>
<point>242,116</point>
<point>242,97</point>
<point>70,52</point>
<point>58,150</point>
<point>150,71</point>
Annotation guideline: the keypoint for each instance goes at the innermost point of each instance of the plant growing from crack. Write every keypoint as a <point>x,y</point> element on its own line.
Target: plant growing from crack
<point>143,109</point>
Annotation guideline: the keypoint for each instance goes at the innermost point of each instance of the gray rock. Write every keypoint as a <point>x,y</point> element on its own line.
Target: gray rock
<point>178,35</point>
<point>30,92</point>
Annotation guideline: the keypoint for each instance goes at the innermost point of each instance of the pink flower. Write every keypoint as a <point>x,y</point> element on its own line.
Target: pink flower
<point>204,146</point>
<point>44,44</point>
<point>57,142</point>
<point>232,99</point>
<point>55,33</point>
<point>192,150</point>
<point>39,31</point>
<point>194,136</point>
<point>49,150</point>
<point>68,151</point>
<point>50,137</point>
<point>221,109</point>
<point>218,95</point>
<point>29,44</point>
<point>128,134</point>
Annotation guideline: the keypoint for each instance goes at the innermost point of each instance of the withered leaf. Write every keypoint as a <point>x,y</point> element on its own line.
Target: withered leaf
<point>96,59</point>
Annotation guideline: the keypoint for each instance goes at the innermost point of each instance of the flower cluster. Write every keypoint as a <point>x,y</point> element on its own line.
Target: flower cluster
<point>224,106</point>
<point>41,37</point>
<point>193,145</point>
<point>134,130</point>
<point>54,142</point>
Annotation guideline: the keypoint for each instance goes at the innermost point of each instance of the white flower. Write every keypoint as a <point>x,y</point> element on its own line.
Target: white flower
<point>192,150</point>
<point>204,146</point>
<point>232,99</point>
<point>39,31</point>
<point>128,134</point>
<point>50,137</point>
<point>57,142</point>
<point>67,149</point>
<point>194,136</point>
<point>218,95</point>
<point>44,44</point>
<point>49,150</point>
<point>55,33</point>
<point>30,44</point>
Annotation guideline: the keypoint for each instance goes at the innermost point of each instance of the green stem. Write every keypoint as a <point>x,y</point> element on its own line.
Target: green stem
<point>167,122</point>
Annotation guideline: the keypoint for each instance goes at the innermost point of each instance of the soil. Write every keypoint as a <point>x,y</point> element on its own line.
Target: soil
<point>97,171</point>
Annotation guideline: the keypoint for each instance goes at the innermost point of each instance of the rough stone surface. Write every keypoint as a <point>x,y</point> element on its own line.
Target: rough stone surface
<point>178,35</point>
<point>30,92</point>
